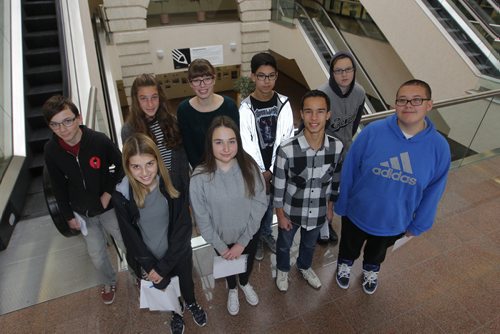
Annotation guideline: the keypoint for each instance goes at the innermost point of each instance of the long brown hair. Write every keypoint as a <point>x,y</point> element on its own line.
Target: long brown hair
<point>138,144</point>
<point>246,163</point>
<point>137,118</point>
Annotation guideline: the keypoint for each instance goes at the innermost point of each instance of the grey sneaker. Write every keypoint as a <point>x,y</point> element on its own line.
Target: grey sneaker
<point>270,242</point>
<point>311,277</point>
<point>282,280</point>
<point>259,254</point>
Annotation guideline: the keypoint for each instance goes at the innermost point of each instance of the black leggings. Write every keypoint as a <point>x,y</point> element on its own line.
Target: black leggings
<point>250,249</point>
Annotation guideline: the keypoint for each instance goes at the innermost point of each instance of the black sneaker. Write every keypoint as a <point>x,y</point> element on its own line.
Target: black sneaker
<point>370,281</point>
<point>176,324</point>
<point>199,315</point>
<point>343,275</point>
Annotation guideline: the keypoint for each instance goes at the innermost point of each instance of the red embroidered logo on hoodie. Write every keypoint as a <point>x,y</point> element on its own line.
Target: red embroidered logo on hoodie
<point>95,162</point>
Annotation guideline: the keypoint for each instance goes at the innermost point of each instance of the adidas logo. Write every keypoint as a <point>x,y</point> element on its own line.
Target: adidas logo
<point>394,168</point>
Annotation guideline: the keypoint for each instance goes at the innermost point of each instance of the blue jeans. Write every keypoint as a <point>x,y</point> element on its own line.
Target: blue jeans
<point>306,248</point>
<point>96,242</point>
<point>267,220</point>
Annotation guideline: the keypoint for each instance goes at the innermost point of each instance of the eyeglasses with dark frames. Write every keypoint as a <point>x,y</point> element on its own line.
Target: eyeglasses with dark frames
<point>206,81</point>
<point>67,123</point>
<point>417,101</point>
<point>340,71</point>
<point>271,76</point>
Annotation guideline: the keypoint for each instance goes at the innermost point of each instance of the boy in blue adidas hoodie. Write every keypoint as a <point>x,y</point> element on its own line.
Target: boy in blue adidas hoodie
<point>392,180</point>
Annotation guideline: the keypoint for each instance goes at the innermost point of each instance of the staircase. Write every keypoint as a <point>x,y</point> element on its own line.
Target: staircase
<point>43,77</point>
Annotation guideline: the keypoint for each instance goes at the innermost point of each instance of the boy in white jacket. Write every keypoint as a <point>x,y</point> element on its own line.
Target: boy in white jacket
<point>266,120</point>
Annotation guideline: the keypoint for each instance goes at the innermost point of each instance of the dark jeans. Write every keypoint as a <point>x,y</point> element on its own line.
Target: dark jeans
<point>250,249</point>
<point>352,239</point>
<point>306,249</point>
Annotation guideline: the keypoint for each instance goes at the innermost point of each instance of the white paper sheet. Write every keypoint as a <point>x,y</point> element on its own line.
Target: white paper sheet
<point>400,242</point>
<point>83,224</point>
<point>161,300</point>
<point>224,268</point>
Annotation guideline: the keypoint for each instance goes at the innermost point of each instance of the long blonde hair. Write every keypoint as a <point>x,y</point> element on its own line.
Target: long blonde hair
<point>138,144</point>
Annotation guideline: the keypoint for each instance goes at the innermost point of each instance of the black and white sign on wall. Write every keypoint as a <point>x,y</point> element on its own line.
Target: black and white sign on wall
<point>183,57</point>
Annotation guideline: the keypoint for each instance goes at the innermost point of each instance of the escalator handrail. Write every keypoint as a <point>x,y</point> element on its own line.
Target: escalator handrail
<point>360,66</point>
<point>474,13</point>
<point>439,104</point>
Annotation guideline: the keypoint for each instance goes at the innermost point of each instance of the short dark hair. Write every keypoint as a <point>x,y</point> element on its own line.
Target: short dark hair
<point>315,93</point>
<point>262,59</point>
<point>56,104</point>
<point>417,82</point>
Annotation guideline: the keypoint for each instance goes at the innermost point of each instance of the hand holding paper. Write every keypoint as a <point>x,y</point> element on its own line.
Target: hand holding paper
<point>224,268</point>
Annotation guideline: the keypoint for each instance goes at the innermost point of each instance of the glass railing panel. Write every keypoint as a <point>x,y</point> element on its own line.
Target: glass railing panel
<point>6,139</point>
<point>283,12</point>
<point>487,136</point>
<point>174,12</point>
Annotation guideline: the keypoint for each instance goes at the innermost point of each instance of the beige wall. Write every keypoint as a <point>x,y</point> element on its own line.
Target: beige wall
<point>195,35</point>
<point>290,42</point>
<point>422,46</point>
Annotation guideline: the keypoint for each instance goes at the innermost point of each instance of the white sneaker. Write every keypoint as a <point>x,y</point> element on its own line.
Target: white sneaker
<point>250,294</point>
<point>282,280</point>
<point>311,277</point>
<point>233,304</point>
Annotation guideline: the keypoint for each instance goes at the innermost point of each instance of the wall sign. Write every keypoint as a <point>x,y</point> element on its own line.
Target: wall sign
<point>183,57</point>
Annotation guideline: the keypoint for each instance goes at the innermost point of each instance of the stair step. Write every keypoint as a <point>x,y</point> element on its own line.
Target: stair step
<point>45,89</point>
<point>36,96</point>
<point>44,69</point>
<point>41,134</point>
<point>37,8</point>
<point>42,51</point>
<point>40,23</point>
<point>37,161</point>
<point>35,117</point>
<point>41,39</point>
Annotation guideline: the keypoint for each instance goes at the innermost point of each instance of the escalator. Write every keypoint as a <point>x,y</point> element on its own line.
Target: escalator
<point>484,15</point>
<point>44,76</point>
<point>468,38</point>
<point>326,41</point>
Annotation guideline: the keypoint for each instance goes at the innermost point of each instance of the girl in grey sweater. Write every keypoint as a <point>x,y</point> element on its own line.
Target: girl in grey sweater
<point>228,198</point>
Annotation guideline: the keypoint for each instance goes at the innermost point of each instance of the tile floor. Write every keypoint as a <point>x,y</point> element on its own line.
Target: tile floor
<point>446,281</point>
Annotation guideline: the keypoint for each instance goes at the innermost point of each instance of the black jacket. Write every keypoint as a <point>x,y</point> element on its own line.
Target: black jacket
<point>79,181</point>
<point>179,231</point>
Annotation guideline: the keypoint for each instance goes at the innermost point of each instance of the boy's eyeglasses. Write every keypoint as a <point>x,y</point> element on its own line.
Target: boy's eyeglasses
<point>414,102</point>
<point>206,81</point>
<point>67,123</point>
<point>271,76</point>
<point>340,71</point>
